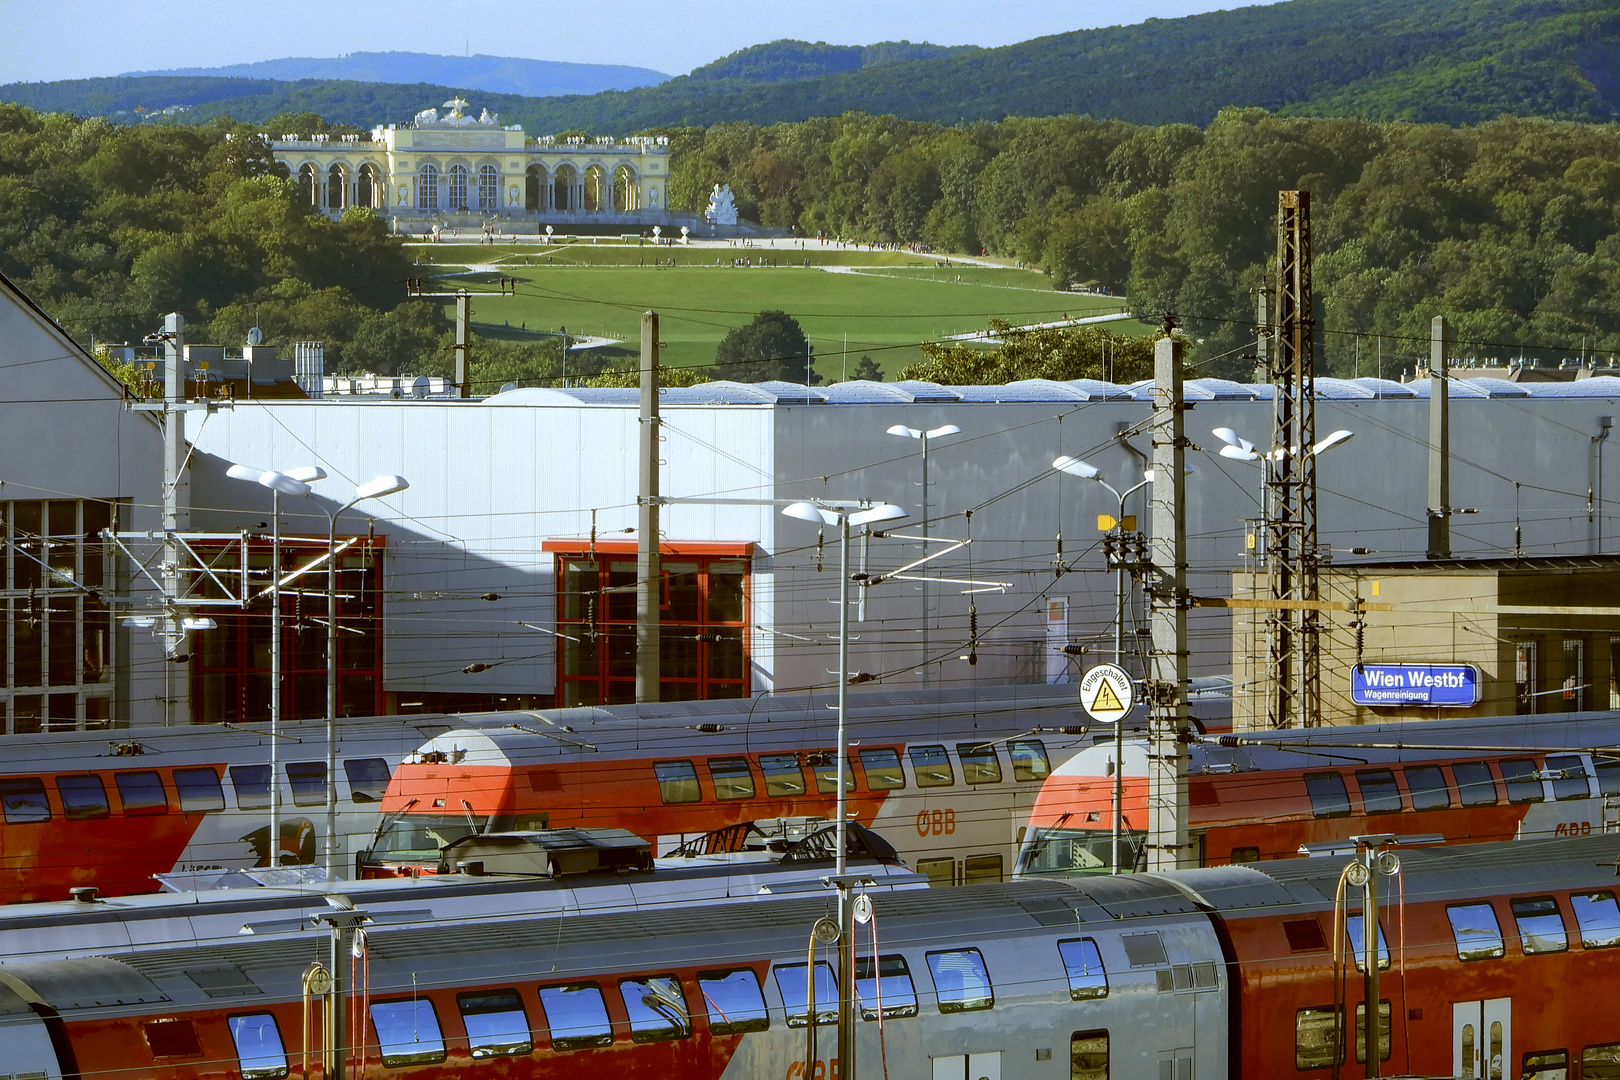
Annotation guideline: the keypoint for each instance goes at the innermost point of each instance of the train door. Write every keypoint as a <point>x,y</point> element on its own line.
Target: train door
<point>981,1066</point>
<point>1482,1039</point>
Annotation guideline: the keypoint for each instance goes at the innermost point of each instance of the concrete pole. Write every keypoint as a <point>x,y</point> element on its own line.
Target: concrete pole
<point>1439,440</point>
<point>846,937</point>
<point>176,516</point>
<point>1167,840</point>
<point>1369,950</point>
<point>463,340</point>
<point>274,846</point>
<point>649,570</point>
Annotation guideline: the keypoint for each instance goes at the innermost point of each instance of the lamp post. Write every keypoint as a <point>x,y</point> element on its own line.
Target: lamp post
<point>1073,466</point>
<point>844,519</point>
<point>924,437</point>
<point>371,489</point>
<point>1240,449</point>
<point>291,482</point>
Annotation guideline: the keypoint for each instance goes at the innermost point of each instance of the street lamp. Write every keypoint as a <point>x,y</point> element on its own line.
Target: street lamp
<point>371,489</point>
<point>1240,449</point>
<point>292,482</point>
<point>844,518</point>
<point>924,437</point>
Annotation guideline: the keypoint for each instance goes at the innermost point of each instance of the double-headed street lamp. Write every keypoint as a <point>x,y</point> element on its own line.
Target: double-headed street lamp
<point>925,437</point>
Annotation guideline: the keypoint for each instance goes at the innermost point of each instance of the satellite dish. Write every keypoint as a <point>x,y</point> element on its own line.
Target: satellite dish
<point>508,386</point>
<point>255,336</point>
<point>422,387</point>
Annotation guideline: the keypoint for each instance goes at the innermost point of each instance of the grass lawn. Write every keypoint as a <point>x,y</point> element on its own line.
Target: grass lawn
<point>886,308</point>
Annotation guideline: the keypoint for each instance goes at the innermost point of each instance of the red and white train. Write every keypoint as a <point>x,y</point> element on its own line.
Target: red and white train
<point>1492,957</point>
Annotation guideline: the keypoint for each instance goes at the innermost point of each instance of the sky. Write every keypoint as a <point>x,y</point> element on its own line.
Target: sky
<point>75,39</point>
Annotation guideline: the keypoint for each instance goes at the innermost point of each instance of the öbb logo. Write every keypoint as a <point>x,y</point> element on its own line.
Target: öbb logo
<point>936,822</point>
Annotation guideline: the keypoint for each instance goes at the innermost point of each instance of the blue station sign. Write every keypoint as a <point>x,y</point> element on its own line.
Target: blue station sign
<point>1444,685</point>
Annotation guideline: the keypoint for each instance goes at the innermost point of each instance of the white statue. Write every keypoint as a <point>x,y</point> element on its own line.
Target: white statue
<point>722,207</point>
<point>490,118</point>
<point>427,116</point>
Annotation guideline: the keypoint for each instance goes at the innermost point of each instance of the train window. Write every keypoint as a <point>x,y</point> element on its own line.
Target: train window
<point>368,778</point>
<point>981,869</point>
<point>83,797</point>
<point>960,980</point>
<point>939,872</point>
<point>732,777</point>
<point>258,1046</point>
<point>1568,776</point>
<point>892,988</point>
<point>1379,795</point>
<point>141,793</point>
<point>1087,978</point>
<point>1541,926</point>
<point>932,766</point>
<point>677,781</point>
<point>1315,1037</point>
<point>1029,760</point>
<point>790,983</point>
<point>172,1037</point>
<point>252,786</point>
<point>980,763</point>
<point>735,1002</point>
<point>825,766</point>
<point>1598,918</point>
<point>1145,949</point>
<point>496,1023</point>
<point>23,800</point>
<point>1352,930</point>
<point>308,780</point>
<point>199,789</point>
<point>1523,785</point>
<point>1601,1062</point>
<point>657,1008</point>
<point>1545,1065</point>
<point>1427,786</point>
<point>882,767</point>
<point>1088,1055</point>
<point>1328,796</point>
<point>1305,935</point>
<point>407,1032</point>
<point>783,774</point>
<point>1478,935</point>
<point>1608,775</point>
<point>1475,787</point>
<point>1241,855</point>
<point>578,1016</point>
<point>1383,1031</point>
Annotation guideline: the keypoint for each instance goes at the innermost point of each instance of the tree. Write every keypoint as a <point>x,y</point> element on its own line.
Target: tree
<point>772,347</point>
<point>868,370</point>
<point>1060,354</point>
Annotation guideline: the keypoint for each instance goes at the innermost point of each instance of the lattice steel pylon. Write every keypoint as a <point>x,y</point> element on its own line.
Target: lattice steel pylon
<point>1294,645</point>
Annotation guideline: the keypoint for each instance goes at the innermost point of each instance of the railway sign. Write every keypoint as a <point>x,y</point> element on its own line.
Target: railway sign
<point>1106,692</point>
<point>1437,685</point>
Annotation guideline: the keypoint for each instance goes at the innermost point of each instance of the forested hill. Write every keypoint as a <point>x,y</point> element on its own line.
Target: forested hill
<point>1450,61</point>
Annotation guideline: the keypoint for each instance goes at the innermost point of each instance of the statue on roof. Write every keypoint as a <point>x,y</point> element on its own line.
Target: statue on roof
<point>490,118</point>
<point>456,105</point>
<point>426,117</point>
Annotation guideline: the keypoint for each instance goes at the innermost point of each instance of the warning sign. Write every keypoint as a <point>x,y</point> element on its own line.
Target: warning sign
<point>1106,693</point>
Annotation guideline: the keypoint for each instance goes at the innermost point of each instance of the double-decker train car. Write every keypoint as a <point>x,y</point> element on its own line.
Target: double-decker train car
<point>1495,955</point>
<point>1268,796</point>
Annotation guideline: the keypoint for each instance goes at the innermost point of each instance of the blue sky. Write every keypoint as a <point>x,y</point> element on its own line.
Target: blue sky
<point>71,39</point>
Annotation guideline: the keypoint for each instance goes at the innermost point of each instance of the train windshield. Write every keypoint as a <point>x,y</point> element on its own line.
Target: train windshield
<point>418,838</point>
<point>1056,852</point>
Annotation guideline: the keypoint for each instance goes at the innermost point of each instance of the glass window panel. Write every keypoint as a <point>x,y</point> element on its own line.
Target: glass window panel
<point>981,869</point>
<point>621,590</point>
<point>1525,682</point>
<point>677,781</point>
<point>1523,786</point>
<point>1478,935</point>
<point>64,712</point>
<point>97,643</point>
<point>657,1008</point>
<point>1383,1032</point>
<point>980,763</point>
<point>141,792</point>
<point>258,1046</point>
<point>1569,776</point>
<point>1029,760</point>
<point>83,797</point>
<point>790,983</point>
<point>579,585</point>
<point>932,766</point>
<point>27,640</point>
<point>1427,786</point>
<point>726,659</point>
<point>23,800</point>
<point>960,980</point>
<point>1601,1062</point>
<point>1328,795</point>
<point>682,596</point>
<point>1541,926</point>
<point>726,591</point>
<point>734,1001</point>
<point>732,778</point>
<point>1598,917</point>
<point>1379,795</point>
<point>252,786</point>
<point>496,1023</point>
<point>63,633</point>
<point>940,873</point>
<point>1352,929</point>
<point>1608,775</point>
<point>882,767</point>
<point>27,525</point>
<point>891,989</point>
<point>1545,1065</point>
<point>1088,1055</point>
<point>308,780</point>
<point>1087,978</point>
<point>1315,1037</point>
<point>825,766</point>
<point>1475,786</point>
<point>199,789</point>
<point>407,1032</point>
<point>368,778</point>
<point>25,719</point>
<point>677,653</point>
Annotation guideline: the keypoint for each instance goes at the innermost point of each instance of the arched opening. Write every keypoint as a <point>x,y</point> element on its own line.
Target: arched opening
<point>489,187</point>
<point>427,188</point>
<point>306,184</point>
<point>457,195</point>
<point>365,193</point>
<point>625,195</point>
<point>337,186</point>
<point>563,189</point>
<point>596,189</point>
<point>535,183</point>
